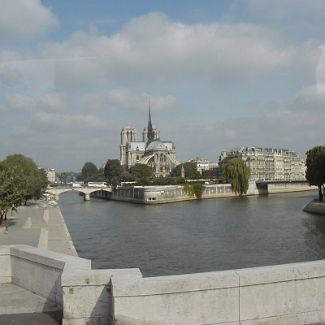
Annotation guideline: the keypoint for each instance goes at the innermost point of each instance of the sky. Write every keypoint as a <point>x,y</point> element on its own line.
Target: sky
<point>219,74</point>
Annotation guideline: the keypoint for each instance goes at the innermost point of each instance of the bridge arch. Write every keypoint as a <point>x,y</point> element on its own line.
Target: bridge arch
<point>86,191</point>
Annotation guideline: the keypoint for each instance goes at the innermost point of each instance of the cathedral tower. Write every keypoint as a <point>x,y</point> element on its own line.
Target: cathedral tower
<point>128,135</point>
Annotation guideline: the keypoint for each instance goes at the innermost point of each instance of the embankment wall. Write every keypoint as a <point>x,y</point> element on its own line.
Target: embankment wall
<point>176,193</point>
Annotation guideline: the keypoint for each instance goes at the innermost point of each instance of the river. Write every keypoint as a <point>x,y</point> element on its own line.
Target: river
<point>196,236</point>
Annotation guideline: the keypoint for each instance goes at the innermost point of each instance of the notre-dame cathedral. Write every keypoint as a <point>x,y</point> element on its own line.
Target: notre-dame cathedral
<point>151,151</point>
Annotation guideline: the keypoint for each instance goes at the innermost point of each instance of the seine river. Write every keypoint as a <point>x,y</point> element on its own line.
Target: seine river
<point>195,236</point>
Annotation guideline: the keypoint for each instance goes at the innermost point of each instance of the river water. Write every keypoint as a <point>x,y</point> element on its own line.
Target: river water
<point>196,236</point>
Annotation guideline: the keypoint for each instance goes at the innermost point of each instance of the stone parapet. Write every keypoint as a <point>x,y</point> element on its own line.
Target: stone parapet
<point>282,294</point>
<point>291,294</point>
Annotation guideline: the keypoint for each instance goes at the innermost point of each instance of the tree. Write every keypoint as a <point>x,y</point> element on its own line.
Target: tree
<point>113,171</point>
<point>141,171</point>
<point>11,190</point>
<point>189,169</point>
<point>34,180</point>
<point>194,189</point>
<point>89,171</point>
<point>40,183</point>
<point>315,172</point>
<point>62,177</point>
<point>237,174</point>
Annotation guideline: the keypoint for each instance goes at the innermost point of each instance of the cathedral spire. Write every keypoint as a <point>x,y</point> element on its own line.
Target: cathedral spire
<point>150,134</point>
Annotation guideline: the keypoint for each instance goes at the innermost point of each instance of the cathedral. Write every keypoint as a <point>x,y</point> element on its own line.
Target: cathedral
<point>151,151</point>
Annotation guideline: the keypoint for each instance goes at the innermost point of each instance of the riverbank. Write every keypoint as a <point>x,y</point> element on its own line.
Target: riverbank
<point>151,195</point>
<point>315,207</point>
<point>39,225</point>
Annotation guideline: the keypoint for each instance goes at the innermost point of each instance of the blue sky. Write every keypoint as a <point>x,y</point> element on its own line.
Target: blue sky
<point>219,74</point>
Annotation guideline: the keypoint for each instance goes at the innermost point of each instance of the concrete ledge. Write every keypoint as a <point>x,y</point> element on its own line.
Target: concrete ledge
<point>288,294</point>
<point>37,255</point>
<point>5,265</point>
<point>174,284</point>
<point>281,294</point>
<point>315,207</point>
<point>87,297</point>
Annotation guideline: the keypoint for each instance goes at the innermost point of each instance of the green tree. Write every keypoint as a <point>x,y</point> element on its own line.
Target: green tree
<point>11,190</point>
<point>126,176</point>
<point>89,172</point>
<point>189,169</point>
<point>62,177</point>
<point>194,189</point>
<point>113,171</point>
<point>40,183</point>
<point>34,179</point>
<point>237,174</point>
<point>315,172</point>
<point>141,171</point>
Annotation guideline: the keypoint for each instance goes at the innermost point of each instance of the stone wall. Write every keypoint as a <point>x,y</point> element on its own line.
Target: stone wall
<point>284,187</point>
<point>290,294</point>
<point>176,193</point>
<point>48,274</point>
<point>284,294</point>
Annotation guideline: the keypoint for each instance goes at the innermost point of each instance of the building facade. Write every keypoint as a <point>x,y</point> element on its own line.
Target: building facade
<point>269,163</point>
<point>50,174</point>
<point>203,165</point>
<point>151,151</point>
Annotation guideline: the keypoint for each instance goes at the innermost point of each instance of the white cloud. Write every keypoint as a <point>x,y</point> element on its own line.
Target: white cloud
<point>61,121</point>
<point>121,98</point>
<point>25,19</point>
<point>52,101</point>
<point>154,49</point>
<point>31,75</point>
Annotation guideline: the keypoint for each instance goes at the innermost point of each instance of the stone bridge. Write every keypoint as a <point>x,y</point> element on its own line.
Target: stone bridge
<point>86,191</point>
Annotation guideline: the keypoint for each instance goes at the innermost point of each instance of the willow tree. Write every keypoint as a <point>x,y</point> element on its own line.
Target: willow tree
<point>237,174</point>
<point>315,172</point>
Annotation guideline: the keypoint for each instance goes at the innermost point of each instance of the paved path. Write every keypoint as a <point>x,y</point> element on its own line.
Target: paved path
<point>39,225</point>
<point>51,318</point>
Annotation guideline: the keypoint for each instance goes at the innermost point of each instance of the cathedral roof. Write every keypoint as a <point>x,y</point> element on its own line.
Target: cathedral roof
<point>159,145</point>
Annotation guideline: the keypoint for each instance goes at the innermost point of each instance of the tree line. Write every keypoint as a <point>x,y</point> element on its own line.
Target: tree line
<point>114,173</point>
<point>20,181</point>
<point>234,172</point>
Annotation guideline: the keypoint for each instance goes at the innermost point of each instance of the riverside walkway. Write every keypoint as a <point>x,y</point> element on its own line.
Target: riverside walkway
<point>39,225</point>
<point>42,226</point>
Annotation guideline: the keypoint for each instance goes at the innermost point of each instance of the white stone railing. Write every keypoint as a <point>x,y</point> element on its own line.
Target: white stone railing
<point>282,294</point>
<point>53,276</point>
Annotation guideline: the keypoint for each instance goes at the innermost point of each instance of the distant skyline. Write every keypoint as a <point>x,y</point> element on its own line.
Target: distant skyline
<point>220,74</point>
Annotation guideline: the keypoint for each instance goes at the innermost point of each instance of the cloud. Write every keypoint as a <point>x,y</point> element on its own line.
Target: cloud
<point>36,18</point>
<point>25,19</point>
<point>296,124</point>
<point>121,98</point>
<point>59,121</point>
<point>152,48</point>
<point>31,75</point>
<point>52,101</point>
